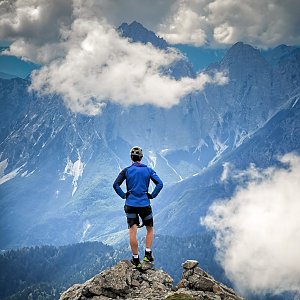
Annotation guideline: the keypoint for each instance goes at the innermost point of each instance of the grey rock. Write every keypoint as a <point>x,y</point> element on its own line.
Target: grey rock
<point>123,281</point>
<point>135,283</point>
<point>73,292</point>
<point>183,283</point>
<point>201,285</point>
<point>190,264</point>
<point>146,266</point>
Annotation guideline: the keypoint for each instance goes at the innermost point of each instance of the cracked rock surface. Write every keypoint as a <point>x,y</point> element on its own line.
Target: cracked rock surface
<point>123,281</point>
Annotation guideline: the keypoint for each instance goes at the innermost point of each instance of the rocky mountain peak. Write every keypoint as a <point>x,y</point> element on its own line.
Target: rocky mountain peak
<point>123,281</point>
<point>138,33</point>
<point>279,54</point>
<point>240,48</point>
<point>245,56</point>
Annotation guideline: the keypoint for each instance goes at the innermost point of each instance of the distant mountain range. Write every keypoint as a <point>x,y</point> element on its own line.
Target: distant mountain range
<point>57,168</point>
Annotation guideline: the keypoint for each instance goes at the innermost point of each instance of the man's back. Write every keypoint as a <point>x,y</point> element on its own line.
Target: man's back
<point>137,177</point>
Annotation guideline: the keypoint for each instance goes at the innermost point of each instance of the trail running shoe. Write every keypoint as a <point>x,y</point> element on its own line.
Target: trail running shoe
<point>148,257</point>
<point>136,262</point>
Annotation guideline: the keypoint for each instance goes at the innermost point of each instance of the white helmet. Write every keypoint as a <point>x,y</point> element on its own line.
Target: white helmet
<point>136,151</point>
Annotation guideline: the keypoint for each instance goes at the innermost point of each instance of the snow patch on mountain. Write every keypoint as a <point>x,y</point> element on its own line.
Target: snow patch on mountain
<point>86,226</point>
<point>164,151</point>
<point>219,148</point>
<point>168,164</point>
<point>295,102</point>
<point>226,170</point>
<point>3,166</point>
<point>26,174</point>
<point>240,137</point>
<point>152,159</point>
<point>74,169</point>
<point>201,144</point>
<point>10,175</point>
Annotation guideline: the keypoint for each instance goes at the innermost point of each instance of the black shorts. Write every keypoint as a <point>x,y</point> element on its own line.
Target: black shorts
<point>133,213</point>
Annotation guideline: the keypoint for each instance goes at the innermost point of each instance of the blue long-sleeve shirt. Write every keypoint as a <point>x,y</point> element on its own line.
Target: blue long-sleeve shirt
<point>138,178</point>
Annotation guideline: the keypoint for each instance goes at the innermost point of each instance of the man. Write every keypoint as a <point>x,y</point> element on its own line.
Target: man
<point>137,202</point>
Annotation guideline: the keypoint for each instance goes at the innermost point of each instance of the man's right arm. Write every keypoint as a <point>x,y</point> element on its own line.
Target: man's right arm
<point>118,182</point>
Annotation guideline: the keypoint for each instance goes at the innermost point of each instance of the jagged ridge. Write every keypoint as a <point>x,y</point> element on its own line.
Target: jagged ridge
<point>123,281</point>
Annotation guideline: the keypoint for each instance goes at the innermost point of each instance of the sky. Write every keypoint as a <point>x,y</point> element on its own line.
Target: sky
<point>78,37</point>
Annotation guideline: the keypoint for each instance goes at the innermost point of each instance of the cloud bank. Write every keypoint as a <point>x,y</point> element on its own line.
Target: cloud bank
<point>35,27</point>
<point>86,61</point>
<point>258,230</point>
<point>217,22</point>
<point>100,66</point>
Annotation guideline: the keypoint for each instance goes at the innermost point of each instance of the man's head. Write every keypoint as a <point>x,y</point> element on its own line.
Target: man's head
<point>136,153</point>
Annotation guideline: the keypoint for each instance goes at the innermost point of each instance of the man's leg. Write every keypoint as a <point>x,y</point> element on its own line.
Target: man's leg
<point>132,221</point>
<point>149,237</point>
<point>147,218</point>
<point>134,246</point>
<point>132,239</point>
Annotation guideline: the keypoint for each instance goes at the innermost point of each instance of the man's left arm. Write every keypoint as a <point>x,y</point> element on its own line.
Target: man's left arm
<point>158,183</point>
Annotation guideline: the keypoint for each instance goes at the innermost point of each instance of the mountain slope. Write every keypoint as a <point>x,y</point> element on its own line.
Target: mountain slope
<point>193,196</point>
<point>47,270</point>
<point>57,168</point>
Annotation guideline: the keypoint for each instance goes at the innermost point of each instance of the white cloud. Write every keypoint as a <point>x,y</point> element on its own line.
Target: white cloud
<point>258,230</point>
<point>35,27</point>
<point>99,66</point>
<point>226,171</point>
<point>186,24</point>
<point>198,22</point>
<point>86,61</point>
<point>217,22</point>
<point>70,37</point>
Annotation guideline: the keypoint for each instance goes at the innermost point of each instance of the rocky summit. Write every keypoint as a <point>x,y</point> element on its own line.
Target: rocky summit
<point>123,281</point>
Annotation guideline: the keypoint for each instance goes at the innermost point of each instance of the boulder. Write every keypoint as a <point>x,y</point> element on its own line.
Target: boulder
<point>201,285</point>
<point>190,264</point>
<point>124,281</point>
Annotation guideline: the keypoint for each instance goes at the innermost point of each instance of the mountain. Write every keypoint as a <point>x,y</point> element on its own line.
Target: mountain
<point>57,168</point>
<point>136,32</point>
<point>7,76</point>
<point>280,135</point>
<point>279,53</point>
<point>14,66</point>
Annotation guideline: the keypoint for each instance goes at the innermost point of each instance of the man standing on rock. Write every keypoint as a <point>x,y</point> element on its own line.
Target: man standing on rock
<point>137,202</point>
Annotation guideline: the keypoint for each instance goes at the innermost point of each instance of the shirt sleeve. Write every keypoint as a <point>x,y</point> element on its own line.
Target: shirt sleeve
<point>157,181</point>
<point>118,182</point>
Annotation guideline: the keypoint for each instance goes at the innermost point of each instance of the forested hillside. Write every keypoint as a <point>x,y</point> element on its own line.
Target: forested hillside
<point>44,272</point>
